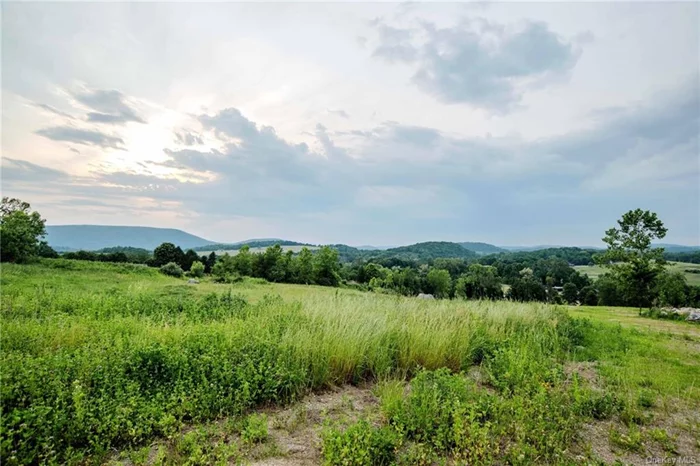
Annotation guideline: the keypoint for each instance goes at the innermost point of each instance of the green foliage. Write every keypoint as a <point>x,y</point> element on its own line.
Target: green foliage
<point>98,357</point>
<point>630,440</point>
<point>243,261</point>
<point>360,444</point>
<point>254,429</point>
<point>480,282</point>
<point>631,257</point>
<point>136,255</point>
<point>44,250</point>
<point>189,258</point>
<point>326,267</point>
<point>20,231</point>
<point>570,293</point>
<point>445,413</point>
<point>225,266</point>
<point>671,289</point>
<point>197,269</point>
<point>527,288</point>
<point>172,269</point>
<point>439,283</point>
<point>168,252</point>
<point>304,267</point>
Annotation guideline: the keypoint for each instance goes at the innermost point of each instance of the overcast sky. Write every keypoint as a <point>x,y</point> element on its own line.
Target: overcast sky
<point>509,123</point>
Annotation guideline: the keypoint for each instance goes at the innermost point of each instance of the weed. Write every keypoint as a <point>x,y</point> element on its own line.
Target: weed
<point>630,440</point>
<point>255,429</point>
<point>663,439</point>
<point>360,444</point>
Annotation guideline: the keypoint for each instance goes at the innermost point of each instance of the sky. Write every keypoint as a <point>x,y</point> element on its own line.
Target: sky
<point>361,123</point>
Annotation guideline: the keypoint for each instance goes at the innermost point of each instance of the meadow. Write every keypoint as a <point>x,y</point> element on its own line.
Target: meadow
<point>119,364</point>
<point>693,278</point>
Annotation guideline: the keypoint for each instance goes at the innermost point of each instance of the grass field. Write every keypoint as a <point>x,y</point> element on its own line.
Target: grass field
<point>106,363</point>
<point>594,271</point>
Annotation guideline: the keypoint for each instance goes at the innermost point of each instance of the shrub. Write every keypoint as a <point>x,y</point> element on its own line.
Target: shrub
<point>360,445</point>
<point>172,269</point>
<point>255,429</point>
<point>197,269</point>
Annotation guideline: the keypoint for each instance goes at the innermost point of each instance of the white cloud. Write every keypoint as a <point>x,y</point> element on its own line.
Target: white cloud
<point>233,116</point>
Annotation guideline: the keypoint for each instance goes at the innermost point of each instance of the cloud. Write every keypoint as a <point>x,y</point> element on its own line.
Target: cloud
<point>340,113</point>
<point>401,173</point>
<point>82,136</point>
<point>22,170</point>
<point>110,106</point>
<point>187,138</point>
<point>478,62</point>
<point>395,44</point>
<point>329,147</point>
<point>53,110</point>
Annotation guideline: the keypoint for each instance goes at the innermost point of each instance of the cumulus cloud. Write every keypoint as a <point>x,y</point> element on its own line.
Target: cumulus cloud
<point>414,173</point>
<point>86,137</point>
<point>109,106</point>
<point>478,62</point>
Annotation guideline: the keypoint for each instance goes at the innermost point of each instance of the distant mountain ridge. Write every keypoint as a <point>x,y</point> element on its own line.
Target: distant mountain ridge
<point>253,243</point>
<point>94,237</point>
<point>482,248</point>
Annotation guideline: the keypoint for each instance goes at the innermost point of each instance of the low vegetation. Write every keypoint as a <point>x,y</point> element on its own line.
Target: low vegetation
<point>103,356</point>
<point>105,361</point>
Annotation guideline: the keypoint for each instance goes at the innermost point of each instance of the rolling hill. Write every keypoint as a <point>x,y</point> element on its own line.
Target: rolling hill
<point>93,237</point>
<point>482,248</point>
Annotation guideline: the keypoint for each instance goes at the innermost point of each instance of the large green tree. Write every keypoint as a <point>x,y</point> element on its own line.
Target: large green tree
<point>326,267</point>
<point>304,269</point>
<point>672,289</point>
<point>168,252</point>
<point>439,283</point>
<point>21,230</point>
<point>480,282</point>
<point>630,256</point>
<point>244,261</point>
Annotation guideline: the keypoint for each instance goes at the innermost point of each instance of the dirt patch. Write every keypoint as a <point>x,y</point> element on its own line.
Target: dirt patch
<point>586,371</point>
<point>670,436</point>
<point>296,430</point>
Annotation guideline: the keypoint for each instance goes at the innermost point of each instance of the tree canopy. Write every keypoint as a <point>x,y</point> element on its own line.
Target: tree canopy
<point>630,256</point>
<point>21,230</point>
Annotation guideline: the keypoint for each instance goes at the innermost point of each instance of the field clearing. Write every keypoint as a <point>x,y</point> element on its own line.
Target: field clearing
<point>233,252</point>
<point>594,271</point>
<point>98,358</point>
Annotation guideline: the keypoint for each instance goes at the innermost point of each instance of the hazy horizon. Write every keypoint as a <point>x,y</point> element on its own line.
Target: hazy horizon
<point>505,123</point>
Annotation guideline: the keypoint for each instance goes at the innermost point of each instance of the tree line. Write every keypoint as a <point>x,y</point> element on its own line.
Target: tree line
<point>635,275</point>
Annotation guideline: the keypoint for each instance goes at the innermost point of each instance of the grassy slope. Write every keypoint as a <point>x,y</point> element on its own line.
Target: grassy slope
<point>594,271</point>
<point>70,309</point>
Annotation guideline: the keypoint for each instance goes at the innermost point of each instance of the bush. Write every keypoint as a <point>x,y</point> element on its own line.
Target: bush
<point>360,445</point>
<point>172,269</point>
<point>255,429</point>
<point>197,269</point>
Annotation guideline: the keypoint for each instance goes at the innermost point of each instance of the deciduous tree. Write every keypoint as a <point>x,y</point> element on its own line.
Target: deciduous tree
<point>630,255</point>
<point>20,230</point>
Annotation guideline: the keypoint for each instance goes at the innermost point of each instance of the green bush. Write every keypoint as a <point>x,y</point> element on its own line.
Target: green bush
<point>197,269</point>
<point>361,444</point>
<point>172,269</point>
<point>255,429</point>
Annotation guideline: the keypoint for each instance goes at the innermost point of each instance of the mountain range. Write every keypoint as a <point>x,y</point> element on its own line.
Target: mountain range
<point>94,237</point>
